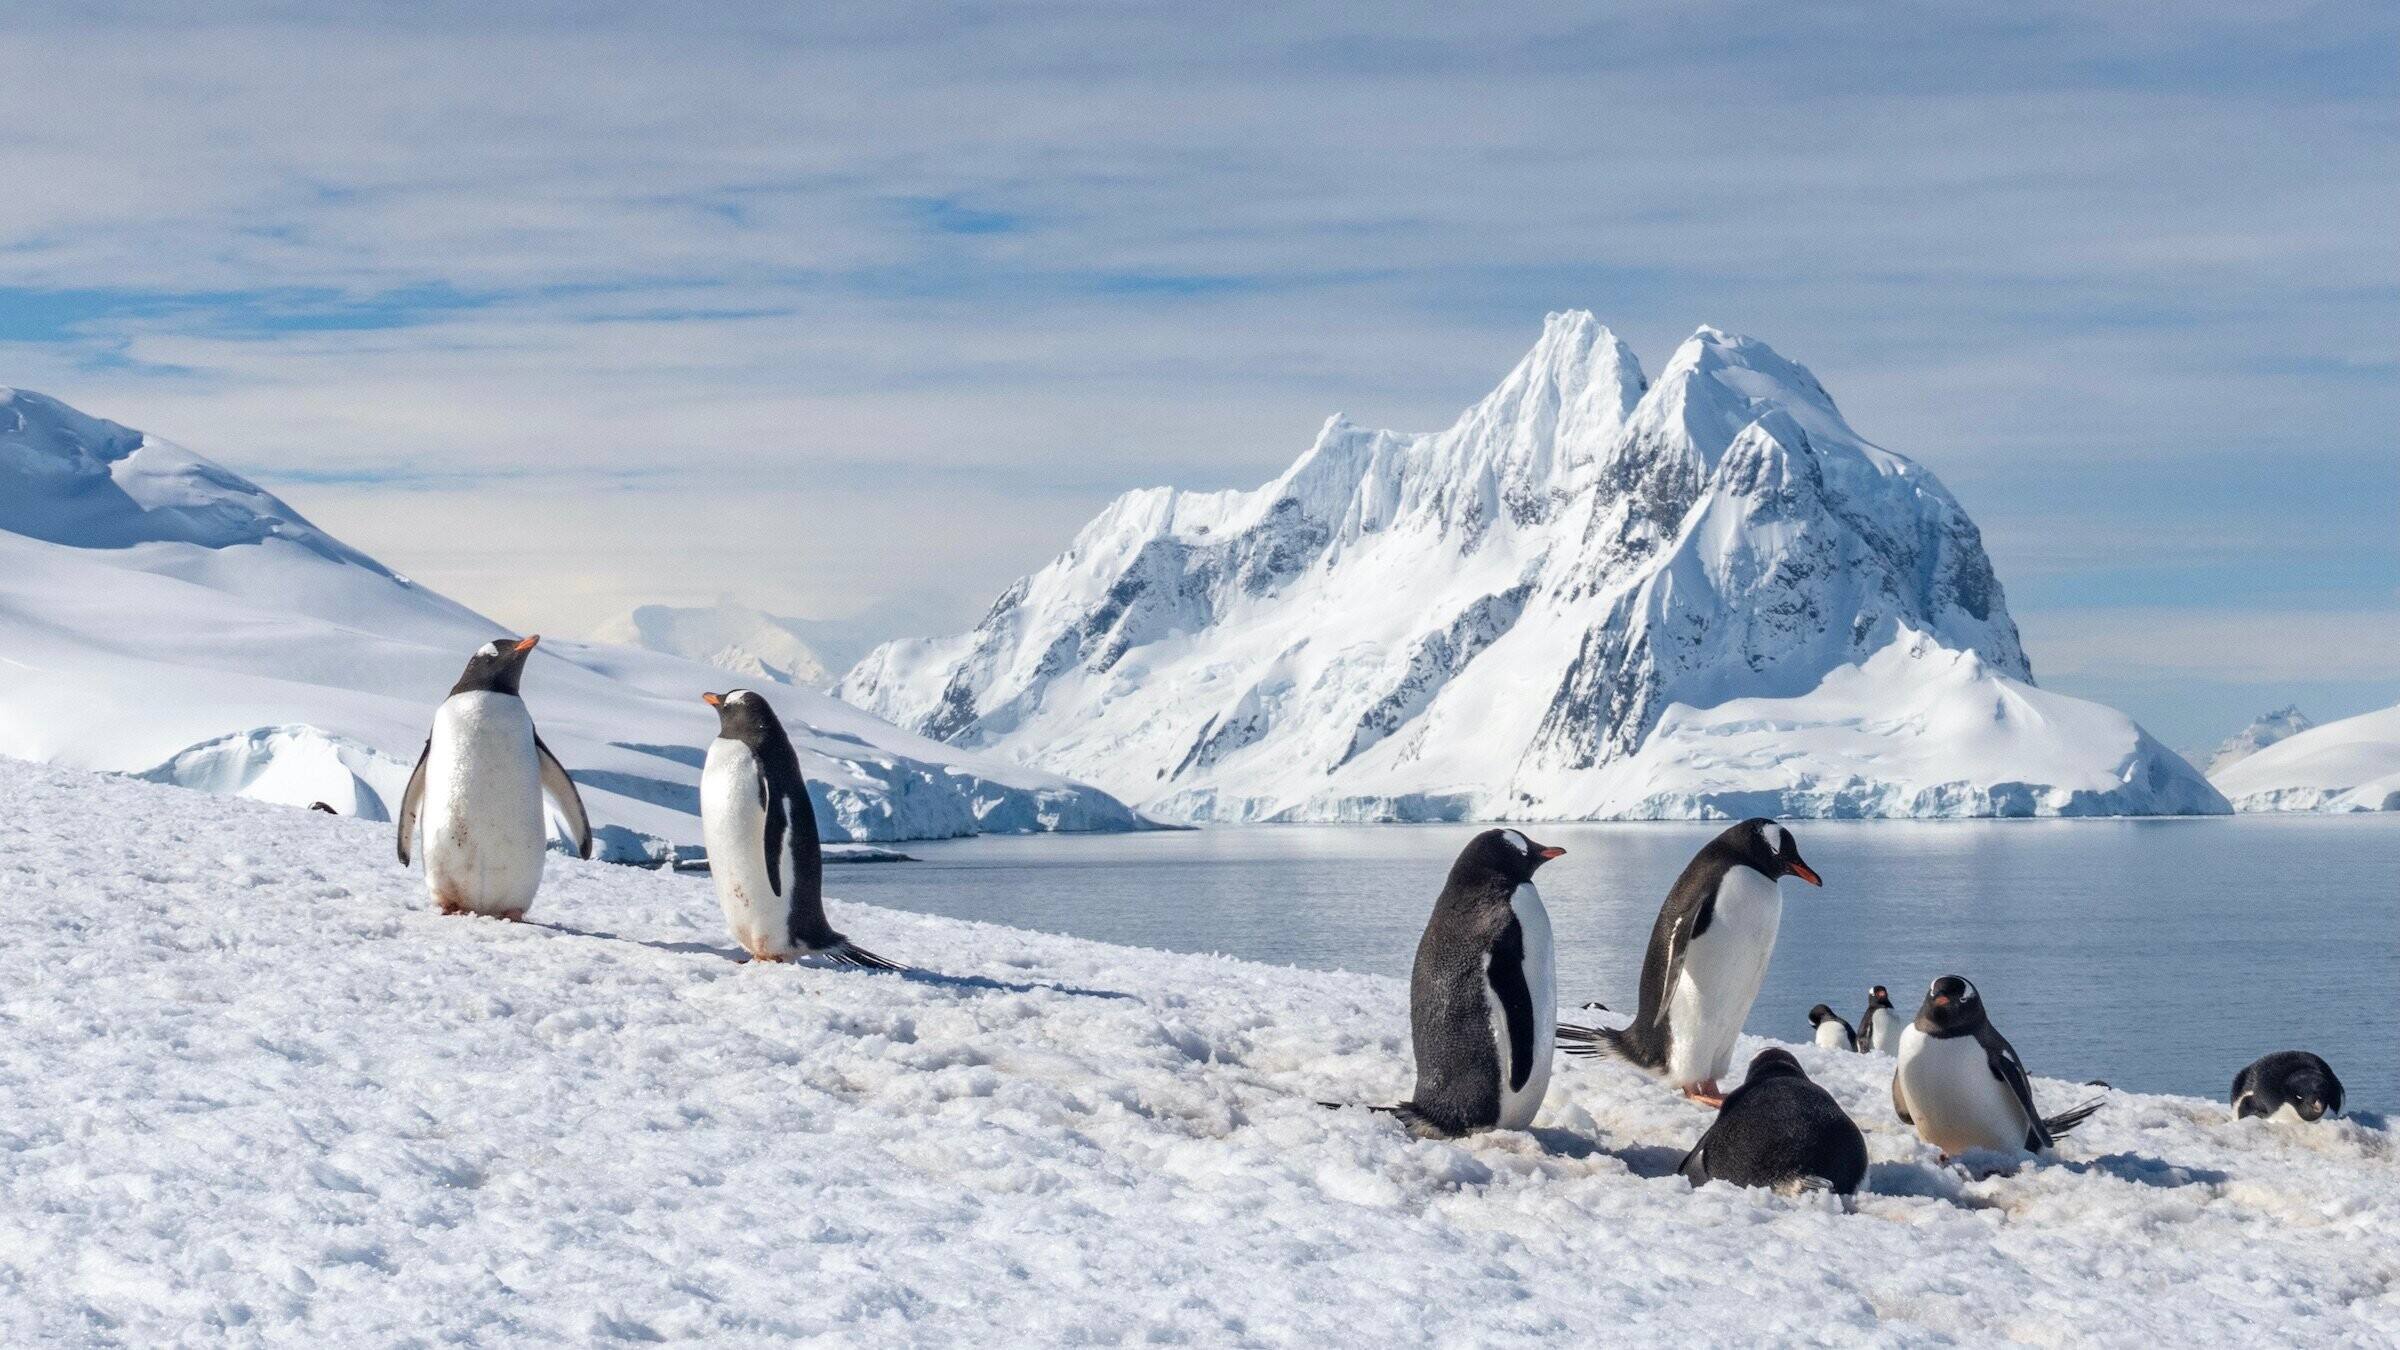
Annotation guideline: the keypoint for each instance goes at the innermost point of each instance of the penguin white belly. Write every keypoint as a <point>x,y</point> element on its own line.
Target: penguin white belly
<point>1887,1031</point>
<point>1518,1106</point>
<point>484,831</point>
<point>1956,1100</point>
<point>1721,972</point>
<point>733,824</point>
<point>1831,1036</point>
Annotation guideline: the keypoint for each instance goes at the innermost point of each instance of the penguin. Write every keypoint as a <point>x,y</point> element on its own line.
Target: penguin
<point>478,789</point>
<point>1483,997</point>
<point>2287,1085</point>
<point>1832,1032</point>
<point>761,833</point>
<point>1879,1027</point>
<point>1708,952</point>
<point>1961,1084</point>
<point>1780,1129</point>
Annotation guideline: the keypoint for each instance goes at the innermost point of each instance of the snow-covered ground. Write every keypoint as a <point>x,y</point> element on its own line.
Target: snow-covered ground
<point>2349,765</point>
<point>253,1090</point>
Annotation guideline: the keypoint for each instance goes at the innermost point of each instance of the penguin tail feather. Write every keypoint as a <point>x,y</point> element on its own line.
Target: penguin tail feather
<point>2071,1117</point>
<point>847,953</point>
<point>1606,1043</point>
<point>1416,1122</point>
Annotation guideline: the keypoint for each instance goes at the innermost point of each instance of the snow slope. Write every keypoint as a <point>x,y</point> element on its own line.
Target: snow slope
<point>749,642</point>
<point>1592,596</point>
<point>161,615</point>
<point>2264,730</point>
<point>252,1090</point>
<point>2349,765</point>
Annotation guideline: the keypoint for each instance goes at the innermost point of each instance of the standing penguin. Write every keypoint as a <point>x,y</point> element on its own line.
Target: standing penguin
<point>1961,1084</point>
<point>2288,1083</point>
<point>1779,1129</point>
<point>1879,1029</point>
<point>1832,1032</point>
<point>478,790</point>
<point>761,832</point>
<point>1483,999</point>
<point>1708,953</point>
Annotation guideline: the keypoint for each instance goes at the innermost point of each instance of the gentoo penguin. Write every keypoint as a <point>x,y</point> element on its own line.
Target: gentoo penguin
<point>1779,1129</point>
<point>2289,1084</point>
<point>1483,999</point>
<point>1961,1083</point>
<point>1708,952</point>
<point>761,833</point>
<point>478,790</point>
<point>1832,1032</point>
<point>1879,1029</point>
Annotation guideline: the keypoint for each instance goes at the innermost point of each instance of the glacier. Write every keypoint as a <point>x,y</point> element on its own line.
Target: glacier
<point>164,617</point>
<point>2264,730</point>
<point>2344,766</point>
<point>1594,596</point>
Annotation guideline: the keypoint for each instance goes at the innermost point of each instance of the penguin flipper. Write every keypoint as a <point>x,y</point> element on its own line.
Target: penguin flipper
<point>1507,979</point>
<point>562,791</point>
<point>1694,1167</point>
<point>412,802</point>
<point>1900,1103</point>
<point>2005,1066</point>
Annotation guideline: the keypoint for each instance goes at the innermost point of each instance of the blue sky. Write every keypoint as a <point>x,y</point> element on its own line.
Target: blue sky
<point>584,306</point>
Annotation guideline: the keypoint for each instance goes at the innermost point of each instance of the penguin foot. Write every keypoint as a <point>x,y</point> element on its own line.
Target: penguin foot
<point>513,915</point>
<point>1708,1094</point>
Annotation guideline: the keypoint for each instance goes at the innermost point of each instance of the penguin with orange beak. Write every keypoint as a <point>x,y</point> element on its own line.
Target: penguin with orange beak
<point>476,794</point>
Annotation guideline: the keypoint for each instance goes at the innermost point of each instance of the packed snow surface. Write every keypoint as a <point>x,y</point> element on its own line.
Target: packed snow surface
<point>2349,765</point>
<point>161,615</point>
<point>253,1090</point>
<point>1594,596</point>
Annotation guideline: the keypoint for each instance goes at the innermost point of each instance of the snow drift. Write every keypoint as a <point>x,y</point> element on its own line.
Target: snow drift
<point>253,1090</point>
<point>2349,765</point>
<point>1593,596</point>
<point>160,615</point>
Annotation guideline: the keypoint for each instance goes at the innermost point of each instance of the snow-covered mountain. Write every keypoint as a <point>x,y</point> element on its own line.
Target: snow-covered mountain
<point>160,615</point>
<point>2264,730</point>
<point>2349,765</point>
<point>748,642</point>
<point>1594,596</point>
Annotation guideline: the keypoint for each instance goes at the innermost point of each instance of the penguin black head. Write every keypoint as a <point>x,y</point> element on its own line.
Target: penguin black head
<point>1879,997</point>
<point>496,666</point>
<point>742,715</point>
<point>1774,1062</point>
<point>2313,1091</point>
<point>1951,1007</point>
<point>1768,847</point>
<point>1506,852</point>
<point>1818,1014</point>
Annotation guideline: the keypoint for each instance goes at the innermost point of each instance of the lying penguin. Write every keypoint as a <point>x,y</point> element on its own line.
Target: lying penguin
<point>1483,997</point>
<point>1780,1129</point>
<point>1832,1032</point>
<point>761,832</point>
<point>1961,1084</point>
<point>477,791</point>
<point>2287,1085</point>
<point>1708,953</point>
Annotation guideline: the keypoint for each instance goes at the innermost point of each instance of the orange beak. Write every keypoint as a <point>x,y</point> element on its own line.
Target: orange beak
<point>1941,1000</point>
<point>713,700</point>
<point>1807,873</point>
<point>1547,853</point>
<point>527,644</point>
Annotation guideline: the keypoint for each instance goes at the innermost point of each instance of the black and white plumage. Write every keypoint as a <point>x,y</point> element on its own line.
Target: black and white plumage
<point>1879,1026</point>
<point>1483,995</point>
<point>1960,1083</point>
<point>1832,1032</point>
<point>2289,1084</point>
<point>761,832</point>
<point>476,794</point>
<point>1780,1129</point>
<point>1708,952</point>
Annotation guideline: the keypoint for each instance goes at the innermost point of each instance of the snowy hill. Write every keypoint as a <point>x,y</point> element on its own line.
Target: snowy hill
<point>750,643</point>
<point>253,1090</point>
<point>2349,765</point>
<point>2264,730</point>
<point>160,615</point>
<point>1593,596</point>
